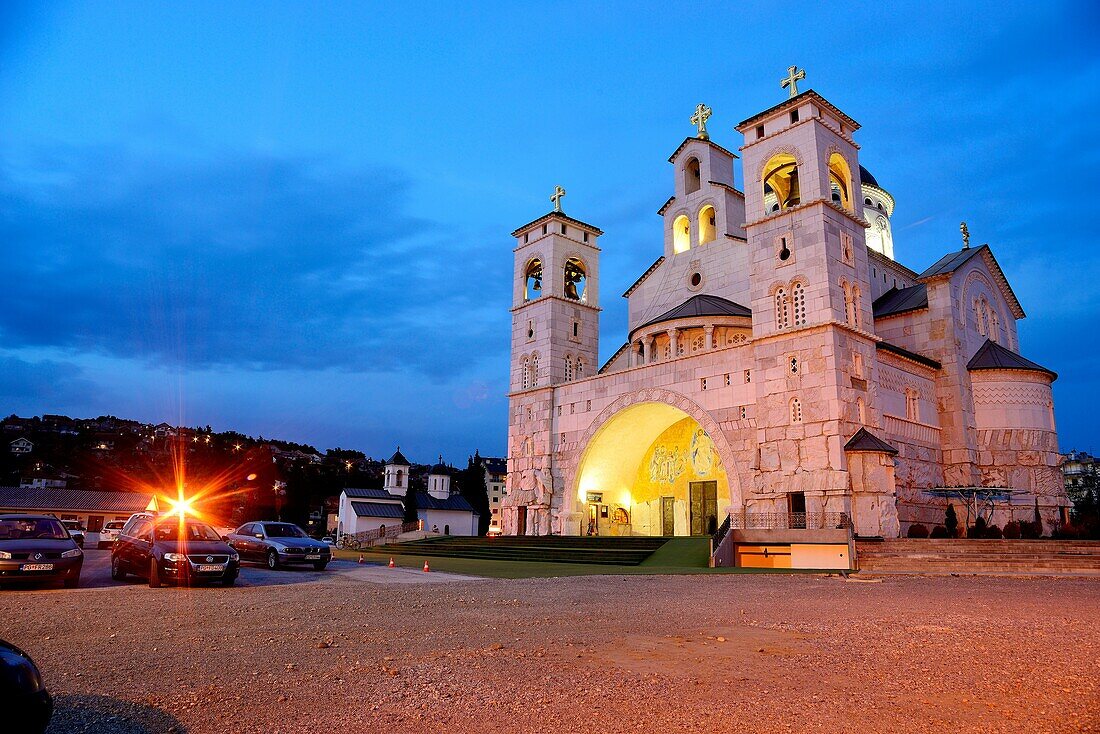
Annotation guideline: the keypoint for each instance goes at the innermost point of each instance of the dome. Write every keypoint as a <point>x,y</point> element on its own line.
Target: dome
<point>868,179</point>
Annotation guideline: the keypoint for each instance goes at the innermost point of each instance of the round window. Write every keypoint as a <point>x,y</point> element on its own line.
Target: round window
<point>696,279</point>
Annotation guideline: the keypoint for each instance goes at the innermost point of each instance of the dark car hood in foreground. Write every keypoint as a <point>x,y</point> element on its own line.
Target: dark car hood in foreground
<point>194,546</point>
<point>37,544</point>
<point>298,543</point>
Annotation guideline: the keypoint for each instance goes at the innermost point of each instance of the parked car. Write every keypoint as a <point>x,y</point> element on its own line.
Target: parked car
<point>329,540</point>
<point>108,534</point>
<point>26,704</point>
<point>170,549</point>
<point>76,530</point>
<point>38,548</point>
<point>279,544</point>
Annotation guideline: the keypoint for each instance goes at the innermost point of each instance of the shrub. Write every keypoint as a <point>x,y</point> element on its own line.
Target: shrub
<point>951,522</point>
<point>1069,531</point>
<point>977,530</point>
<point>939,532</point>
<point>993,532</point>
<point>1030,530</point>
<point>1012,530</point>
<point>916,530</point>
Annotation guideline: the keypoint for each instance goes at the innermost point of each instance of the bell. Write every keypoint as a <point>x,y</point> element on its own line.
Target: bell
<point>794,197</point>
<point>537,285</point>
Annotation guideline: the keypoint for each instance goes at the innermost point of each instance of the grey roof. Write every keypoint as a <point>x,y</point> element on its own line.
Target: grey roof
<point>495,465</point>
<point>864,440</point>
<point>561,216</point>
<point>26,498</point>
<point>440,469</point>
<point>425,501</point>
<point>378,509</point>
<point>398,458</point>
<point>951,262</point>
<point>901,300</point>
<point>701,305</point>
<point>866,177</point>
<point>918,358</point>
<point>992,356</point>
<point>367,493</point>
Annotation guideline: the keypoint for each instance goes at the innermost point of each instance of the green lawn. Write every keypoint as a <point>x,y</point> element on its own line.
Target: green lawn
<point>677,556</point>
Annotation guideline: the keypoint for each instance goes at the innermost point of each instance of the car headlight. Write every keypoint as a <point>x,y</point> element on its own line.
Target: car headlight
<point>175,557</point>
<point>5,555</point>
<point>234,557</point>
<point>72,553</point>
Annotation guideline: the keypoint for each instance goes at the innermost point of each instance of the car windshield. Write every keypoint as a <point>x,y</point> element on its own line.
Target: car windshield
<point>32,529</point>
<point>114,526</point>
<point>190,531</point>
<point>283,530</point>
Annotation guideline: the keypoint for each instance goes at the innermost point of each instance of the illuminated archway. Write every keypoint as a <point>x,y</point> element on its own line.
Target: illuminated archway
<point>708,231</point>
<point>681,234</point>
<point>780,182</point>
<point>657,468</point>
<point>840,181</point>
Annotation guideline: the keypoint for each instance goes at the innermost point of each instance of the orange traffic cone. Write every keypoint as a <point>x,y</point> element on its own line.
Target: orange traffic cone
<point>360,557</point>
<point>426,569</point>
<point>391,561</point>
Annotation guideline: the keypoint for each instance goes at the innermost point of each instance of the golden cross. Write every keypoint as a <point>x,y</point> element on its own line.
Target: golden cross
<point>966,235</point>
<point>793,75</point>
<point>556,197</point>
<point>699,120</point>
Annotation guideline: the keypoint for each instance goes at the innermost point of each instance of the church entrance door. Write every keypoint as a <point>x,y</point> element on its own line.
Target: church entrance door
<point>704,507</point>
<point>796,504</point>
<point>521,520</point>
<point>668,518</point>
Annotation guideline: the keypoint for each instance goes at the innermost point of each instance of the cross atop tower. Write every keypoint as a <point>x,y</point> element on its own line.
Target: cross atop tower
<point>794,74</point>
<point>966,235</point>
<point>699,120</point>
<point>556,197</point>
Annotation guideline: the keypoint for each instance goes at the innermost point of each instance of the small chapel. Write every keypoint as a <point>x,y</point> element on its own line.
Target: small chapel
<point>779,360</point>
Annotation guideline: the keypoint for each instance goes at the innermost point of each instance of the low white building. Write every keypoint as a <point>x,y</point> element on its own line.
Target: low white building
<point>363,509</point>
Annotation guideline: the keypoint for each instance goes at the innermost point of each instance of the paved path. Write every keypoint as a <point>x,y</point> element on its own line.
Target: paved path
<point>379,573</point>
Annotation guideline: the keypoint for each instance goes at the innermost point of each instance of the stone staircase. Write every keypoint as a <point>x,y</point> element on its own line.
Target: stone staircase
<point>627,551</point>
<point>939,556</point>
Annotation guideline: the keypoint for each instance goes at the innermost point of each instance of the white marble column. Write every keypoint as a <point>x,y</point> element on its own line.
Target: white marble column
<point>673,343</point>
<point>708,337</point>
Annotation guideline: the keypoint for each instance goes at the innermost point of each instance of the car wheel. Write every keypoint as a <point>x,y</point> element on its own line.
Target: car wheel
<point>272,560</point>
<point>320,566</point>
<point>116,569</point>
<point>154,574</point>
<point>229,580</point>
<point>72,582</point>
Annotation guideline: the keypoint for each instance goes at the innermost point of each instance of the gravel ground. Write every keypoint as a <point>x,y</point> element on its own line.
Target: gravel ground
<point>745,653</point>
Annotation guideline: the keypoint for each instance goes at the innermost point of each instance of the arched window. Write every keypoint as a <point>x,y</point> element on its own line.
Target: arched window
<point>857,365</point>
<point>692,178</point>
<point>681,234</point>
<point>868,201</point>
<point>534,370</point>
<point>575,280</point>
<point>780,179</point>
<point>697,344</point>
<point>707,227</point>
<point>579,372</point>
<point>796,410</point>
<point>857,305</point>
<point>400,477</point>
<point>994,326</point>
<point>532,280</point>
<point>849,303</point>
<point>568,368</point>
<point>912,404</point>
<point>840,180</point>
<point>861,411</point>
<point>798,303</point>
<point>782,309</point>
<point>526,376</point>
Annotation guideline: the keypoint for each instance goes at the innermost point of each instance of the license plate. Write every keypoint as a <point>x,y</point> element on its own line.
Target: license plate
<point>37,567</point>
<point>313,558</point>
<point>207,569</point>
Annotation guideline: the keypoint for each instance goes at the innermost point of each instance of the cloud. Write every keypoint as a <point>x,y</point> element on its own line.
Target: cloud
<point>241,260</point>
<point>45,381</point>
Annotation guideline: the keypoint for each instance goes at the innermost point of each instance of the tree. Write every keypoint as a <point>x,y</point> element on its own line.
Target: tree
<point>1038,520</point>
<point>410,506</point>
<point>951,521</point>
<point>471,485</point>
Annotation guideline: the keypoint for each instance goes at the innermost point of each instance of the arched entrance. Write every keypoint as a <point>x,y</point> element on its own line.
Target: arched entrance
<point>652,468</point>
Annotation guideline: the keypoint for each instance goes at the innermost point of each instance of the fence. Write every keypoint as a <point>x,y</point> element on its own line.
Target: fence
<point>368,538</point>
<point>788,520</point>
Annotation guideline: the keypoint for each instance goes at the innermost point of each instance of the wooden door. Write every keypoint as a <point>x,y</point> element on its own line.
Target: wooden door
<point>521,520</point>
<point>704,507</point>
<point>668,518</point>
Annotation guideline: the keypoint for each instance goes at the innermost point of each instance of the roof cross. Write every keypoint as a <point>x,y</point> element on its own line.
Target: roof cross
<point>699,120</point>
<point>556,198</point>
<point>966,235</point>
<point>793,75</point>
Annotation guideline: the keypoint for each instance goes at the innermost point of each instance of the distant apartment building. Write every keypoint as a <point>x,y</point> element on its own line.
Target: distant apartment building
<point>496,475</point>
<point>1080,471</point>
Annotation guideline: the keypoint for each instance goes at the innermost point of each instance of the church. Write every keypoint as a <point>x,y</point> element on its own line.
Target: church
<point>779,361</point>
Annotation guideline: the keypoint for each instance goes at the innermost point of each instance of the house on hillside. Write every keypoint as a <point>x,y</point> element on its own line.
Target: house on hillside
<point>21,445</point>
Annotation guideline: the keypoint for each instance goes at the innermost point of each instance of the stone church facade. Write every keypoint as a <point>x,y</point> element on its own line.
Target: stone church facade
<point>778,358</point>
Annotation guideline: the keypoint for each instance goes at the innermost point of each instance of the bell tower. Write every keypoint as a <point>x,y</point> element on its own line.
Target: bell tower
<point>555,300</point>
<point>811,299</point>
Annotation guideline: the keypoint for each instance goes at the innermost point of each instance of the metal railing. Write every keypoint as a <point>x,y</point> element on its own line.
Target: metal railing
<point>716,539</point>
<point>788,520</point>
<point>368,538</point>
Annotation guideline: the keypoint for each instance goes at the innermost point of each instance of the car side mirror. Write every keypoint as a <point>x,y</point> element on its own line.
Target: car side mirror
<point>225,538</point>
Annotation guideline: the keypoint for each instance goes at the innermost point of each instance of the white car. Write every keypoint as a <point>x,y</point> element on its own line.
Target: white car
<point>76,531</point>
<point>108,534</point>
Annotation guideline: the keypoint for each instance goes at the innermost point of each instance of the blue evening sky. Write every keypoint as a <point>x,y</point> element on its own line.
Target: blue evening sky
<point>291,219</point>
